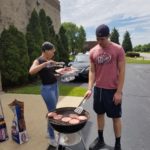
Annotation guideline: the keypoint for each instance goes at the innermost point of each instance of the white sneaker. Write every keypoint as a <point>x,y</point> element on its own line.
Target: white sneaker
<point>53,142</point>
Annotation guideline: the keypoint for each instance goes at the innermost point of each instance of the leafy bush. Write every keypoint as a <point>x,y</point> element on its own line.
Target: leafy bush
<point>132,54</point>
<point>14,57</point>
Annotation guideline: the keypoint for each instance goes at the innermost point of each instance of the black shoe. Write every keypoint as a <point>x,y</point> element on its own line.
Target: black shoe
<point>97,144</point>
<point>60,147</point>
<point>117,147</point>
<point>51,147</point>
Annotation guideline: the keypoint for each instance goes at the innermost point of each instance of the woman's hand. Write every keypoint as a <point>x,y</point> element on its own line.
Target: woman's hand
<point>50,63</point>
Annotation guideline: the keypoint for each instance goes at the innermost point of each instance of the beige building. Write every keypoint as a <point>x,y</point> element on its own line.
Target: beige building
<point>18,12</point>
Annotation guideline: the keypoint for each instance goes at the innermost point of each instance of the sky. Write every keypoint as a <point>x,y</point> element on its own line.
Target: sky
<point>125,15</point>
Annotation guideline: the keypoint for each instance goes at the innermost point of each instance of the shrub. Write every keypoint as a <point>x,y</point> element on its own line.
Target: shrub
<point>132,54</point>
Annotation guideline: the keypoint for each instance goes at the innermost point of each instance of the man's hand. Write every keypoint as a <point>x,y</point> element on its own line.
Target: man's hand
<point>117,98</point>
<point>88,94</point>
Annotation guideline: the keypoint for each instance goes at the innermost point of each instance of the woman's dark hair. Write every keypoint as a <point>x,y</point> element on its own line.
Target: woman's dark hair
<point>47,46</point>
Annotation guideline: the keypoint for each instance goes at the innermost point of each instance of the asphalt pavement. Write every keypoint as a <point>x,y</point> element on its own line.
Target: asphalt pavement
<point>136,112</point>
<point>136,118</point>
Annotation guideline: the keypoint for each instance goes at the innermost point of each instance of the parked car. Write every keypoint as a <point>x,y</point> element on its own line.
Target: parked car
<point>81,62</point>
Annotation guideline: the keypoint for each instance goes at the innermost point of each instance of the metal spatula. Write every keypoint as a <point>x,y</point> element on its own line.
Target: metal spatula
<point>79,109</point>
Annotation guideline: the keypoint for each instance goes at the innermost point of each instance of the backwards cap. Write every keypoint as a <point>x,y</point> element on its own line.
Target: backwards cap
<point>102,31</point>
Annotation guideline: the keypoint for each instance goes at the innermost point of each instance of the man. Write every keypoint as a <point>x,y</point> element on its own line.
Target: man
<point>106,74</point>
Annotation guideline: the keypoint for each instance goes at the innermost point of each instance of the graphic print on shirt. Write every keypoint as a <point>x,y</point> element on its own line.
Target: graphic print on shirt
<point>104,58</point>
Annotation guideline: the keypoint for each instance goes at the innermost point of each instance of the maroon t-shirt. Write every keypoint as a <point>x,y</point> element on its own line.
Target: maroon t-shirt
<point>106,64</point>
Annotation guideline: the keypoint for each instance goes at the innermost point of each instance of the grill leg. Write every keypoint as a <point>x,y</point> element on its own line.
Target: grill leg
<point>59,147</point>
<point>82,140</point>
<point>59,135</point>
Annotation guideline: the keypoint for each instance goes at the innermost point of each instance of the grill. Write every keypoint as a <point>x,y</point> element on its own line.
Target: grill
<point>68,130</point>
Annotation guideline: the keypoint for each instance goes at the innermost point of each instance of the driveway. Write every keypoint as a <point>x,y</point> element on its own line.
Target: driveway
<point>136,118</point>
<point>146,56</point>
<point>34,112</point>
<point>136,112</point>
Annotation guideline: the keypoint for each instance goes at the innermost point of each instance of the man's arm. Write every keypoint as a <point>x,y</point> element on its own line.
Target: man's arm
<point>91,80</point>
<point>118,94</point>
<point>91,76</point>
<point>121,66</point>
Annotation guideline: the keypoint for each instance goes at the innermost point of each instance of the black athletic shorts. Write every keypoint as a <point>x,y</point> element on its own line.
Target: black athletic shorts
<point>103,103</point>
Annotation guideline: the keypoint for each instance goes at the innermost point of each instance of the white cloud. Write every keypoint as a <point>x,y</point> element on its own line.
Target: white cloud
<point>131,15</point>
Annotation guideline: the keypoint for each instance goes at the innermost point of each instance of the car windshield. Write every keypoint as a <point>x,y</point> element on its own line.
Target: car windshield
<point>82,58</point>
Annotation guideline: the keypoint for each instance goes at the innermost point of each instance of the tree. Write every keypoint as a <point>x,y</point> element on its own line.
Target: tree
<point>58,47</point>
<point>138,48</point>
<point>127,45</point>
<point>63,52</point>
<point>81,38</point>
<point>146,48</point>
<point>114,36</point>
<point>52,34</point>
<point>20,42</point>
<point>9,53</point>
<point>34,36</point>
<point>44,25</point>
<point>14,57</point>
<point>74,34</point>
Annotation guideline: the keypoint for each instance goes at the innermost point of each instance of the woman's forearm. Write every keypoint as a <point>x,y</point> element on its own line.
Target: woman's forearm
<point>36,68</point>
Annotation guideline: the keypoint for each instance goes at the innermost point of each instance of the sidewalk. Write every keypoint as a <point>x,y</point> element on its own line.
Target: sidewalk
<point>34,113</point>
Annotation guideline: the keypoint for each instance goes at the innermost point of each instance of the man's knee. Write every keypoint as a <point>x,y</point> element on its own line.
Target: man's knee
<point>117,120</point>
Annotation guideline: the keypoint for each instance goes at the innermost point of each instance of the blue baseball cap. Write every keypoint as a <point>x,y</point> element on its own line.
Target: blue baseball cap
<point>102,30</point>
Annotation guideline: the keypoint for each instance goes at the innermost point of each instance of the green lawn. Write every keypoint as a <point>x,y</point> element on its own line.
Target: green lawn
<point>64,90</point>
<point>137,60</point>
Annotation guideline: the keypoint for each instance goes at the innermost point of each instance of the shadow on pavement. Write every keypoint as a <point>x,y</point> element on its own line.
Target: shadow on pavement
<point>108,147</point>
<point>84,132</point>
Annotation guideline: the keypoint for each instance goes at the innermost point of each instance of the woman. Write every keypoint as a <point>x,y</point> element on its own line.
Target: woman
<point>44,66</point>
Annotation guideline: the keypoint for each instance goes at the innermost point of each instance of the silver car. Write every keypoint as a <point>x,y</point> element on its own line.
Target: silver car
<point>81,62</point>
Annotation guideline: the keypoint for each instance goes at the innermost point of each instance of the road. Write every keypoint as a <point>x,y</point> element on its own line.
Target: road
<point>146,56</point>
<point>136,113</point>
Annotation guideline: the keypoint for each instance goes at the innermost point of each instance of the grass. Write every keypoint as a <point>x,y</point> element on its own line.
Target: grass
<point>138,60</point>
<point>64,90</point>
